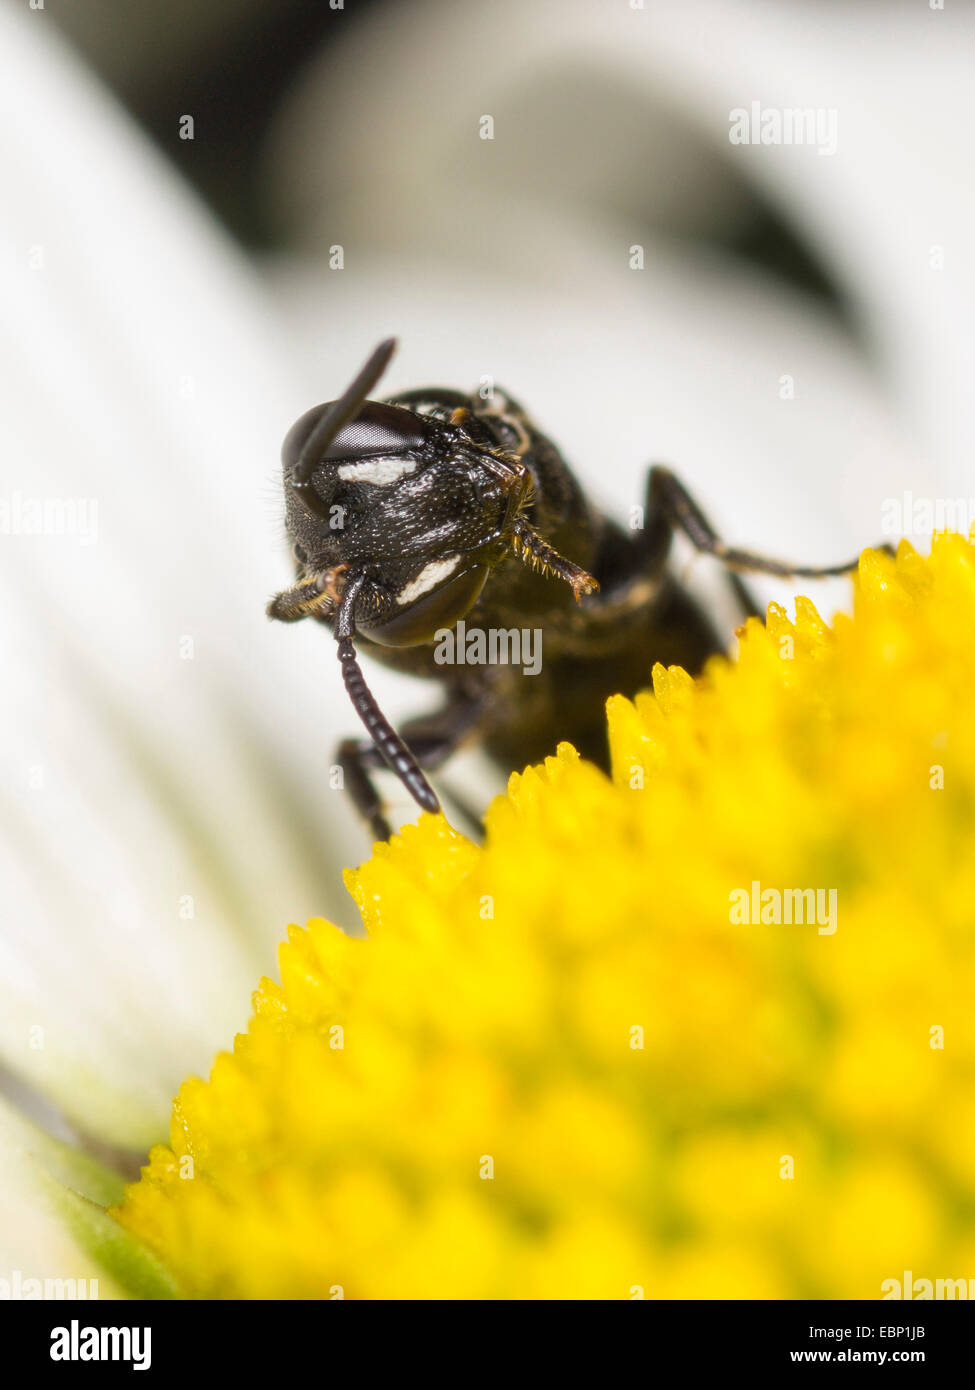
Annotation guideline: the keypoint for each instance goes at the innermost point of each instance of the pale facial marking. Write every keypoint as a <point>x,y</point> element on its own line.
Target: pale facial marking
<point>427,579</point>
<point>381,472</point>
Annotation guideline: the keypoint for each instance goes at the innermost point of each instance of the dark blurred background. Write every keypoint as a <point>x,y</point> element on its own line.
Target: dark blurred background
<point>232,62</point>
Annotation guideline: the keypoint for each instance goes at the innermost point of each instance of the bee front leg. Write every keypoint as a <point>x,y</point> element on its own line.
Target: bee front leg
<point>358,757</point>
<point>315,596</point>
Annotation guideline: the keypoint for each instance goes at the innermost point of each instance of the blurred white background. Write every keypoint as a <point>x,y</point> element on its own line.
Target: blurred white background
<point>796,345</point>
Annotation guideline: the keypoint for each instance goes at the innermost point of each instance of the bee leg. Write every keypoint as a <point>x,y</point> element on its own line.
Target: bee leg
<point>313,595</point>
<point>669,504</point>
<point>431,740</point>
<point>751,607</point>
<point>658,533</point>
<point>357,757</point>
<point>536,552</point>
<point>298,602</point>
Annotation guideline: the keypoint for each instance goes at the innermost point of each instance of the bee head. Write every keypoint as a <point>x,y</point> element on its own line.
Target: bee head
<point>409,500</point>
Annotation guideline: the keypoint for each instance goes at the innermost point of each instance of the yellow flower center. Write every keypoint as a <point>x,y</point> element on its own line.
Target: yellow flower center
<point>704,1029</point>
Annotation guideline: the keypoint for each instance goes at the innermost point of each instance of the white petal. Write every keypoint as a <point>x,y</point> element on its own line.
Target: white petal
<point>53,1223</point>
<point>144,381</point>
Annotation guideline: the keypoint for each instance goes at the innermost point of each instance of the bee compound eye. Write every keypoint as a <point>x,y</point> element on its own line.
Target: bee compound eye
<point>378,429</point>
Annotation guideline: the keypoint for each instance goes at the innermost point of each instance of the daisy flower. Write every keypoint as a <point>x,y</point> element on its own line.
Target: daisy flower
<point>570,1065</point>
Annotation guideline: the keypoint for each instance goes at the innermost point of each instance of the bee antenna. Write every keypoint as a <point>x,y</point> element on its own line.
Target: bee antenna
<point>340,412</point>
<point>392,749</point>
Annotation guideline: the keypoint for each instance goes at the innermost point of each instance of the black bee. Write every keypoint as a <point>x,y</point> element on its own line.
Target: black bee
<point>410,515</point>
